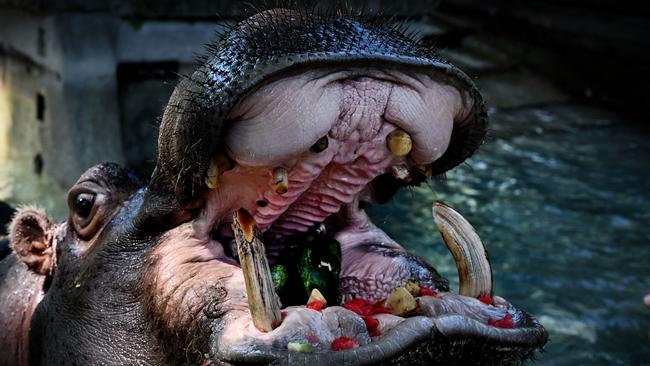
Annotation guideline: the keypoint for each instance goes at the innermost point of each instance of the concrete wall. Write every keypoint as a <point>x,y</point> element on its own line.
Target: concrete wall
<point>80,88</point>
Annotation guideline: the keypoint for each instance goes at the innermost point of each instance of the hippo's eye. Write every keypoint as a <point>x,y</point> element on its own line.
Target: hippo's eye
<point>87,202</point>
<point>83,204</point>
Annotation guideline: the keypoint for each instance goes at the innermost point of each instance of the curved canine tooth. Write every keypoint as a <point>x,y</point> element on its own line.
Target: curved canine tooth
<point>399,142</point>
<point>401,172</point>
<point>472,263</point>
<point>280,180</point>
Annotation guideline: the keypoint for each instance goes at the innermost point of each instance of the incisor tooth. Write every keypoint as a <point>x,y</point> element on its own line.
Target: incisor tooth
<point>399,142</point>
<point>280,180</point>
<point>212,176</point>
<point>401,172</point>
<point>218,164</point>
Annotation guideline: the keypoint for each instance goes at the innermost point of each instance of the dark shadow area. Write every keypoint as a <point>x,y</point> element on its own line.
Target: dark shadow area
<point>144,89</point>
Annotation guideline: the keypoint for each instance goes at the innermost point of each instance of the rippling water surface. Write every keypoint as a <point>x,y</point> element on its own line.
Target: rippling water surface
<point>560,195</point>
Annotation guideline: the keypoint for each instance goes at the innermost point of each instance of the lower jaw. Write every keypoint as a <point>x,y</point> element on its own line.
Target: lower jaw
<point>372,324</point>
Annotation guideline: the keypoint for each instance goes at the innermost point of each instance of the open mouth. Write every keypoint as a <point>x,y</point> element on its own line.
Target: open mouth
<point>301,157</point>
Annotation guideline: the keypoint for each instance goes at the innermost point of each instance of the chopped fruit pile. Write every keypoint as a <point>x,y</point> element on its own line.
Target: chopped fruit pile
<point>400,302</point>
<point>343,343</point>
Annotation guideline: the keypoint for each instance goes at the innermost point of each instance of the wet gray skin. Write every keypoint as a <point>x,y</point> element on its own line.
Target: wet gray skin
<point>145,273</point>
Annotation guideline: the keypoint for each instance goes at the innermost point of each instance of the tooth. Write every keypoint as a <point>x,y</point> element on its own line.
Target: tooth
<point>472,263</point>
<point>401,172</point>
<point>219,164</point>
<point>262,299</point>
<point>401,302</point>
<point>399,142</point>
<point>280,180</point>
<point>212,176</point>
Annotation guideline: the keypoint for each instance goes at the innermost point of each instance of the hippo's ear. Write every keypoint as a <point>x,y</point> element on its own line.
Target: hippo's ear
<point>31,235</point>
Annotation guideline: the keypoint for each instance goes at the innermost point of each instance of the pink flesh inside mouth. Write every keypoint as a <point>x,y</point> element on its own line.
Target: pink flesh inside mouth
<point>274,127</point>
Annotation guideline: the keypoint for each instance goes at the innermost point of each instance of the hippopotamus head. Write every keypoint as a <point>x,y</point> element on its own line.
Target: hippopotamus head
<point>292,125</point>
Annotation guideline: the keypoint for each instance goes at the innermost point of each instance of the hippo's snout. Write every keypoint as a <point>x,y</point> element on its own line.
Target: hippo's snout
<point>302,120</point>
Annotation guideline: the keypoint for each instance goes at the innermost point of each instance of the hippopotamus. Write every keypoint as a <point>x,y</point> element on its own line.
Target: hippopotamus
<point>294,123</point>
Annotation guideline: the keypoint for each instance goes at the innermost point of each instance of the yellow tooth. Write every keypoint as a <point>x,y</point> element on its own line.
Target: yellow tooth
<point>280,180</point>
<point>219,164</point>
<point>399,142</point>
<point>401,172</point>
<point>212,177</point>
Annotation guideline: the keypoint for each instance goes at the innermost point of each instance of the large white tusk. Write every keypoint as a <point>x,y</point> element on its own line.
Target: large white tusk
<point>472,263</point>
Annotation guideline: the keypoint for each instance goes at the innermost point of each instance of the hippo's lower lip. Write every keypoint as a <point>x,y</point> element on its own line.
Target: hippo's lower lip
<point>439,320</point>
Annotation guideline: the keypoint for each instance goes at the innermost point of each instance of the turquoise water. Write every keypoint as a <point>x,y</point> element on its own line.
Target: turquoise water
<point>561,197</point>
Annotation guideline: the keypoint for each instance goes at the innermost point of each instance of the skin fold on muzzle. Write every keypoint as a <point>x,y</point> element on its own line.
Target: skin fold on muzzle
<point>267,156</point>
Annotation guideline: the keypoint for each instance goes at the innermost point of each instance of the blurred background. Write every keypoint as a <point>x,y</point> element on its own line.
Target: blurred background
<point>559,192</point>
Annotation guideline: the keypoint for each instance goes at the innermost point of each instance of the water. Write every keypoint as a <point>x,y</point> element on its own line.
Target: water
<point>560,195</point>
